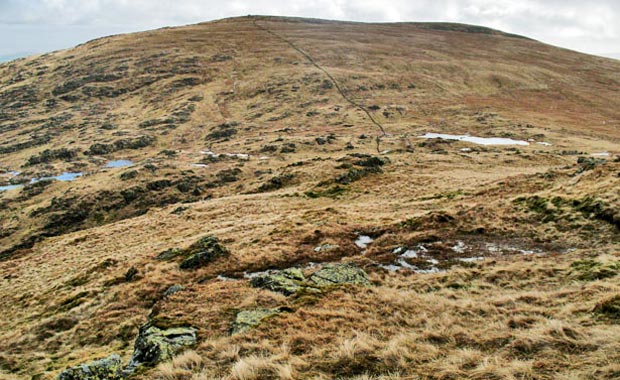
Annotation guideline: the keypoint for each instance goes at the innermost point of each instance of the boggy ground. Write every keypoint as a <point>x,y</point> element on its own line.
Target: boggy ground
<point>520,241</point>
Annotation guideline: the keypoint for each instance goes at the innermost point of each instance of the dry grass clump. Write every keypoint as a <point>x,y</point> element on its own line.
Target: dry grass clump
<point>182,367</point>
<point>256,367</point>
<point>422,327</point>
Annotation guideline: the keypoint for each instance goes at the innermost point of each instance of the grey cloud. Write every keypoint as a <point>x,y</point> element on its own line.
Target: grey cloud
<point>587,26</point>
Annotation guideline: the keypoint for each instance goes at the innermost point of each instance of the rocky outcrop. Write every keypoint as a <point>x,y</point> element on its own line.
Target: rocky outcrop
<point>203,252</point>
<point>104,369</point>
<point>287,281</point>
<point>154,345</point>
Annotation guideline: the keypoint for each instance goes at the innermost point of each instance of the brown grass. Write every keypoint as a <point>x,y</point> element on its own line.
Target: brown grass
<point>510,316</point>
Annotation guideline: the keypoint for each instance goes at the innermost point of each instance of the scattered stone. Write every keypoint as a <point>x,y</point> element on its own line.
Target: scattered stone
<point>131,274</point>
<point>334,274</point>
<point>326,247</point>
<point>247,319</point>
<point>288,148</point>
<point>203,252</point>
<point>287,281</point>
<point>173,289</point>
<point>103,369</point>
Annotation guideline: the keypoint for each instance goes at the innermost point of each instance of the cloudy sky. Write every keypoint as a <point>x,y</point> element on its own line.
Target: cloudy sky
<point>36,26</point>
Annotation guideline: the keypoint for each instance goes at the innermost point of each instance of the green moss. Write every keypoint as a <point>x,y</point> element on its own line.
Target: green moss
<point>247,319</point>
<point>78,280</point>
<point>356,174</point>
<point>169,254</point>
<point>609,308</point>
<point>308,296</point>
<point>458,286</point>
<point>593,208</point>
<point>333,192</point>
<point>448,195</point>
<point>591,270</point>
<point>558,208</point>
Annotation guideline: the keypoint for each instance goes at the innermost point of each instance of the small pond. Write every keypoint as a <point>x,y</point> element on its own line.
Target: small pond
<point>67,176</point>
<point>119,164</point>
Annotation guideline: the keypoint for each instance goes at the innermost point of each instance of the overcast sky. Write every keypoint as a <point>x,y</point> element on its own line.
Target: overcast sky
<point>36,26</point>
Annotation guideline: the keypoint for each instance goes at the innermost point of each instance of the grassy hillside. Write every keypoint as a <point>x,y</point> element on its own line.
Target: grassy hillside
<point>283,141</point>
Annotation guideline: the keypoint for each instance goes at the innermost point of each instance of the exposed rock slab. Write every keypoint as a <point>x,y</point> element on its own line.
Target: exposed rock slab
<point>334,274</point>
<point>292,280</point>
<point>287,281</point>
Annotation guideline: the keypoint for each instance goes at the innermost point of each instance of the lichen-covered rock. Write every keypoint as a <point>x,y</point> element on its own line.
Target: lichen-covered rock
<point>287,281</point>
<point>154,345</point>
<point>248,319</point>
<point>334,274</point>
<point>203,252</point>
<point>104,369</point>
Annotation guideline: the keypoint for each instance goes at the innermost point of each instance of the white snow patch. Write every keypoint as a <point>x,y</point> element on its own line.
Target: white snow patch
<point>363,241</point>
<point>474,139</point>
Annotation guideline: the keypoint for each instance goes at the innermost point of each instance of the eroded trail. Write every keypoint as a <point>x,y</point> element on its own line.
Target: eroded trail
<point>331,77</point>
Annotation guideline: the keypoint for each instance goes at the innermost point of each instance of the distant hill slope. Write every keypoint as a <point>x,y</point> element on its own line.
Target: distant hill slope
<point>148,181</point>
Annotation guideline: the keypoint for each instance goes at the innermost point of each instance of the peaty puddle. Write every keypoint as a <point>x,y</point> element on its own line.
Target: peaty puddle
<point>440,256</point>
